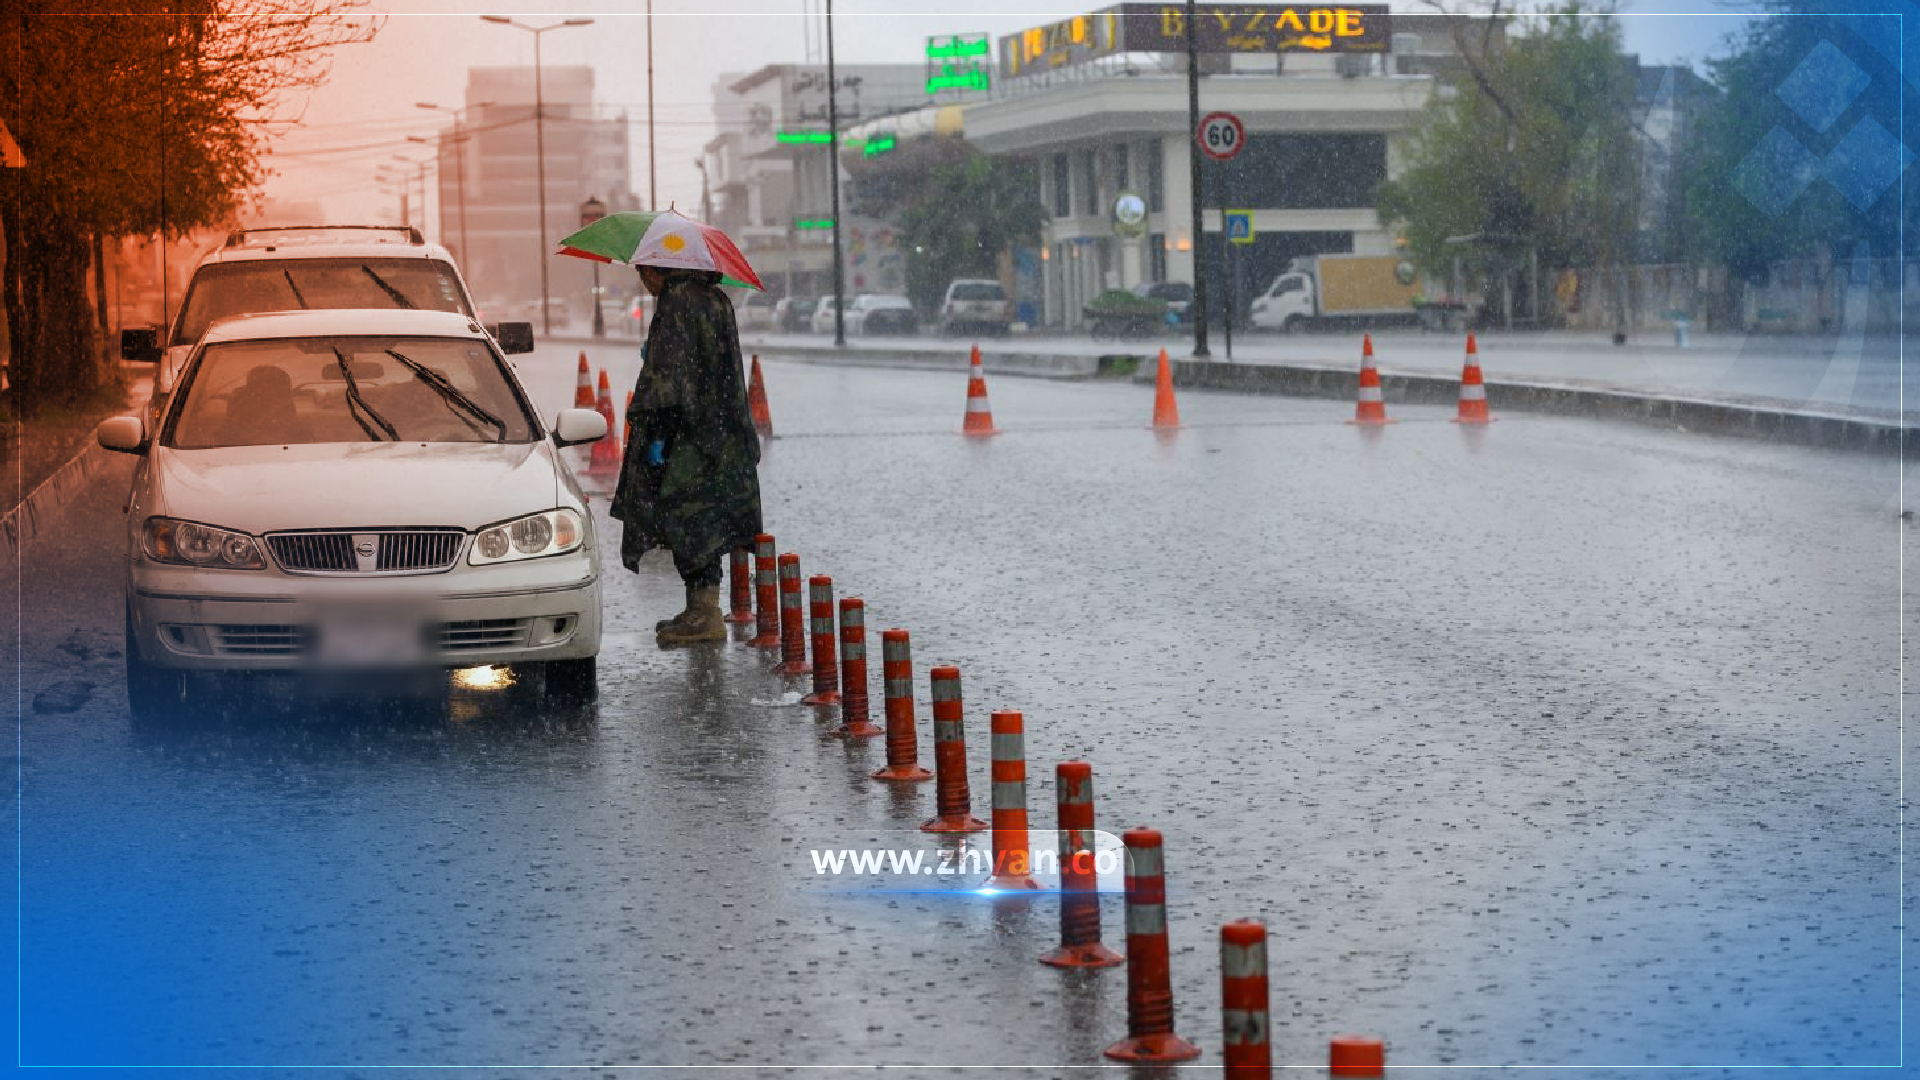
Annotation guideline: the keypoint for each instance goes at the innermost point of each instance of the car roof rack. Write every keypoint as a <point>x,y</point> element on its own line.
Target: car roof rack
<point>311,234</point>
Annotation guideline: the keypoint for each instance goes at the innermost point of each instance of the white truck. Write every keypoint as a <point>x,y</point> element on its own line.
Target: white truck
<point>1338,291</point>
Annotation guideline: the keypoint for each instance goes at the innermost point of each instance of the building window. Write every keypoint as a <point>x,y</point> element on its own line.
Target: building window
<point>1157,257</point>
<point>1154,179</point>
<point>1090,201</point>
<point>1120,177</point>
<point>1062,191</point>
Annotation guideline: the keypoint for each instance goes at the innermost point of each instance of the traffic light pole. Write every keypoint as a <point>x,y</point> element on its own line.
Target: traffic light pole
<point>1199,211</point>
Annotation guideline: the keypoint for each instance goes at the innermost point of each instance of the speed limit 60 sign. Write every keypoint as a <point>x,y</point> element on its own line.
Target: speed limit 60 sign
<point>1221,136</point>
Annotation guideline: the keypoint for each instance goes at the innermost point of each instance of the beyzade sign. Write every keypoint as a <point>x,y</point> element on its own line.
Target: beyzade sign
<point>1218,28</point>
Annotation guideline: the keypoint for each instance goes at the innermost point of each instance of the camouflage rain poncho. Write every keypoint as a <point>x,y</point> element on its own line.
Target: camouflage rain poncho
<point>705,501</point>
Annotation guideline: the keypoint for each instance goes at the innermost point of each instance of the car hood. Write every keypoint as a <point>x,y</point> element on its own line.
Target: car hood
<point>260,489</point>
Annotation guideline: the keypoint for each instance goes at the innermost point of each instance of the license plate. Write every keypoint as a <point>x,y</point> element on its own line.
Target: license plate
<point>371,636</point>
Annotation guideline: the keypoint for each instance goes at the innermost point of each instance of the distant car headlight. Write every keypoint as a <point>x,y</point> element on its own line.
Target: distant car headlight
<point>553,532</point>
<point>189,543</point>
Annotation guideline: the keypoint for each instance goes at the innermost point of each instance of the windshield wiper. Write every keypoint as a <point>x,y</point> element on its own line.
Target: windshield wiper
<point>288,274</point>
<point>451,394</point>
<point>398,296</point>
<point>356,405</point>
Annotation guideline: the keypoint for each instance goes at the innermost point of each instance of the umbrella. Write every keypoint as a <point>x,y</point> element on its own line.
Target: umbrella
<point>663,238</point>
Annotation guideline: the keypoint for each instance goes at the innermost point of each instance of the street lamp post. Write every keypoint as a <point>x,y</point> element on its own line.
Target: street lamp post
<point>420,165</point>
<point>539,144</point>
<point>833,181</point>
<point>591,211</point>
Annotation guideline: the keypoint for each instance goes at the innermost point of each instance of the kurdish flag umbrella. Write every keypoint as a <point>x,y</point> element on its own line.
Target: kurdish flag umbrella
<point>664,238</point>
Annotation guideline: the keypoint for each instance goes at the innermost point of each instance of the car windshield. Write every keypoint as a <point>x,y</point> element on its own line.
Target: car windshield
<point>256,285</point>
<point>978,290</point>
<point>289,391</point>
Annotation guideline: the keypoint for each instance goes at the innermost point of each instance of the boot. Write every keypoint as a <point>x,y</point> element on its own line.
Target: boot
<point>685,614</point>
<point>704,621</point>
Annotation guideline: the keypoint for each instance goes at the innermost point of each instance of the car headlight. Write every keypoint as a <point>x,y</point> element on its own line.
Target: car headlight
<point>553,532</point>
<point>189,543</point>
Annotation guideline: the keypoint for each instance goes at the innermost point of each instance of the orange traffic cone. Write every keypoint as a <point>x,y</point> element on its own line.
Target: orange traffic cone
<point>583,385</point>
<point>1372,408</point>
<point>1166,411</point>
<point>757,401</point>
<point>605,455</point>
<point>1473,392</point>
<point>979,419</point>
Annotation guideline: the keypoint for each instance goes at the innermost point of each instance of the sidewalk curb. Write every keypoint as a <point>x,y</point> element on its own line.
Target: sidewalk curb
<point>1797,427</point>
<point>22,524</point>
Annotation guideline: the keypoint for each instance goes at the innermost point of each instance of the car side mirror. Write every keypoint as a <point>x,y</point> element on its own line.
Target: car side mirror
<point>575,426</point>
<point>141,346</point>
<point>514,337</point>
<point>126,434</point>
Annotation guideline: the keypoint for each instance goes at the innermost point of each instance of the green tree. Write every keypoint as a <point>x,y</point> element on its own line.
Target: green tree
<point>967,214</point>
<point>131,124</point>
<point>1535,152</point>
<point>1735,220</point>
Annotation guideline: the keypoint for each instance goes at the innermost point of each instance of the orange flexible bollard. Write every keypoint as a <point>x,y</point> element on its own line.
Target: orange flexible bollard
<point>793,639</point>
<point>1166,411</point>
<point>1079,876</point>
<point>854,723</point>
<point>826,669</point>
<point>583,384</point>
<point>953,800</point>
<point>1012,859</point>
<point>1150,1035</point>
<point>1372,406</point>
<point>1356,1055</point>
<point>740,576</point>
<point>766,585</point>
<point>1245,1024</point>
<point>896,674</point>
<point>605,453</point>
<point>757,401</point>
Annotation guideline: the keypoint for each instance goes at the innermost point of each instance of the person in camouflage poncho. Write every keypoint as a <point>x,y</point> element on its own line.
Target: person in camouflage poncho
<point>689,480</point>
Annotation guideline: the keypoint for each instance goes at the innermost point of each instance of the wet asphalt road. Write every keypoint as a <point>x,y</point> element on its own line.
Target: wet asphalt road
<point>1560,743</point>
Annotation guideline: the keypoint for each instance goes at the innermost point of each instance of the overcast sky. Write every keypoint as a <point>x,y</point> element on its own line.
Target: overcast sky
<point>363,115</point>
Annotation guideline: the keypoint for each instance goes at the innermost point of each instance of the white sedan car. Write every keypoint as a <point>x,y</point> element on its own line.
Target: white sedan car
<point>355,491</point>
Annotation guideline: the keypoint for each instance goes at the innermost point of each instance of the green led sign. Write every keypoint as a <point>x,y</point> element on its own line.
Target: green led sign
<point>878,146</point>
<point>819,137</point>
<point>813,223</point>
<point>952,78</point>
<point>956,46</point>
<point>869,147</point>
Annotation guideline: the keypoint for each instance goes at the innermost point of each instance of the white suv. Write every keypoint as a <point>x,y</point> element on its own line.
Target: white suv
<point>311,267</point>
<point>978,303</point>
<point>358,491</point>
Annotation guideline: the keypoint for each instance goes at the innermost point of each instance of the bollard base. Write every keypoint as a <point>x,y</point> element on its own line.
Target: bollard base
<point>792,667</point>
<point>908,774</point>
<point>1009,883</point>
<point>1370,423</point>
<point>1166,1047</point>
<point>954,823</point>
<point>1095,955</point>
<point>766,641</point>
<point>822,697</point>
<point>861,730</point>
<point>740,617</point>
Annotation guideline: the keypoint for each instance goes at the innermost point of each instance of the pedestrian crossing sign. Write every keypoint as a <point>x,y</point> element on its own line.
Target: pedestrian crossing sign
<point>1239,225</point>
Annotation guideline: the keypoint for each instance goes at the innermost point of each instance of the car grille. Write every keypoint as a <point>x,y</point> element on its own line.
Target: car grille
<point>482,634</point>
<point>397,551</point>
<point>263,639</point>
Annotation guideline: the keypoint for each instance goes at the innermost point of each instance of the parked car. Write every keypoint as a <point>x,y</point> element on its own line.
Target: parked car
<point>881,313</point>
<point>795,312</point>
<point>754,311</point>
<point>976,304</point>
<point>354,490</point>
<point>1177,294</point>
<point>822,321</point>
<point>294,269</point>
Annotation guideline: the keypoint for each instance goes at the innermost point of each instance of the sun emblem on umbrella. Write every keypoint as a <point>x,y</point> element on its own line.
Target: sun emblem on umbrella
<point>673,243</point>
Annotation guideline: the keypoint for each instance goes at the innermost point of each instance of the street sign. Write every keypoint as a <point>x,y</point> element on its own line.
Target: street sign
<point>1239,225</point>
<point>1221,136</point>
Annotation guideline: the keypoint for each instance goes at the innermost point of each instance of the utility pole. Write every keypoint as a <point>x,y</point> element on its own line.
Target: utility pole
<point>833,177</point>
<point>653,184</point>
<point>1199,305</point>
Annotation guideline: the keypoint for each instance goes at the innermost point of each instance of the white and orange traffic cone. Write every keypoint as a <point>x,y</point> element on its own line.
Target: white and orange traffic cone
<point>757,401</point>
<point>1473,391</point>
<point>605,455</point>
<point>979,419</point>
<point>1166,411</point>
<point>1372,407</point>
<point>583,385</point>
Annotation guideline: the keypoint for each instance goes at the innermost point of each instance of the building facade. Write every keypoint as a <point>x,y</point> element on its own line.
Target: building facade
<point>489,193</point>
